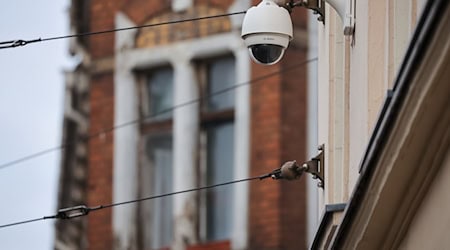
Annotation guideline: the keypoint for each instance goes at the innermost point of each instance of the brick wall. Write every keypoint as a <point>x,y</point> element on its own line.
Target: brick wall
<point>293,146</point>
<point>264,220</point>
<point>101,17</point>
<point>278,134</point>
<point>101,161</point>
<point>278,111</point>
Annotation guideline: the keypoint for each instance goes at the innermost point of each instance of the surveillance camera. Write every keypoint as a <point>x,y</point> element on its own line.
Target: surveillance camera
<point>267,30</point>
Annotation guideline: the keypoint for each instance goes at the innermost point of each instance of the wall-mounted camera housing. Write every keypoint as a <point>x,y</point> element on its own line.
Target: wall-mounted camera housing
<point>267,30</point>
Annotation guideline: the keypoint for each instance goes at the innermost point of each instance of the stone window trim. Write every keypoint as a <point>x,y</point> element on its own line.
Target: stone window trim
<point>181,56</point>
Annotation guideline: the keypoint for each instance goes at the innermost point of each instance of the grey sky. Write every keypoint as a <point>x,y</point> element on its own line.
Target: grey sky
<point>31,104</point>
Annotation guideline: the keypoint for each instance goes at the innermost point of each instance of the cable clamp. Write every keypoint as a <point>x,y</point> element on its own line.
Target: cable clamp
<point>17,43</point>
<point>73,212</point>
<point>291,170</point>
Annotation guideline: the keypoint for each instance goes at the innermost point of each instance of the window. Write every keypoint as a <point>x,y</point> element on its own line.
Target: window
<point>221,75</point>
<point>219,169</point>
<point>215,77</point>
<point>159,152</point>
<point>160,94</point>
<point>156,171</point>
<point>217,140</point>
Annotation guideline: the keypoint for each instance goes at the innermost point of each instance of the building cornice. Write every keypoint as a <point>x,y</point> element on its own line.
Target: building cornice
<point>408,145</point>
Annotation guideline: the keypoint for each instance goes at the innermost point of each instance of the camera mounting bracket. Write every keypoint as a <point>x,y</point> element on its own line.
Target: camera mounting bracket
<point>292,171</point>
<point>317,6</point>
<point>344,8</point>
<point>316,167</point>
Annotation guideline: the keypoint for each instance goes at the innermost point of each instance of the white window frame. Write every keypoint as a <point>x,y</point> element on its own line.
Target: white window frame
<point>180,56</point>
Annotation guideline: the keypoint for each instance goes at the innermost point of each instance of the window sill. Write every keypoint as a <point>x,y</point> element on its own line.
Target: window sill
<point>216,245</point>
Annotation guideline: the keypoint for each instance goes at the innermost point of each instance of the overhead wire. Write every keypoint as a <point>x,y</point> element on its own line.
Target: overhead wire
<point>20,42</point>
<point>83,210</point>
<point>136,121</point>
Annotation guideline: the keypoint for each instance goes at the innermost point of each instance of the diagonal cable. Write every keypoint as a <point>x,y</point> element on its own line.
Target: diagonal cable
<point>132,122</point>
<point>20,42</point>
<point>83,210</point>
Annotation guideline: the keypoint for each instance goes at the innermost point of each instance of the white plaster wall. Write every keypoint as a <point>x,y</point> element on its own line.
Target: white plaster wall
<point>186,128</point>
<point>358,117</point>
<point>331,69</point>
<point>420,5</point>
<point>339,110</point>
<point>312,214</point>
<point>323,103</point>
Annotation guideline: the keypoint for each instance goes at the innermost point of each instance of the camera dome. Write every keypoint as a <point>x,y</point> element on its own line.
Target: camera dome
<point>266,53</point>
<point>267,30</point>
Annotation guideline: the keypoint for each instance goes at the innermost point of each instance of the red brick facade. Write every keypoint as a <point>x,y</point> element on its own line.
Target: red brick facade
<point>101,161</point>
<point>278,125</point>
<point>277,209</point>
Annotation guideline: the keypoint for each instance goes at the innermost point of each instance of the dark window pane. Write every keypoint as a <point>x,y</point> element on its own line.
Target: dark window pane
<point>221,75</point>
<point>220,169</point>
<point>160,93</point>
<point>159,150</point>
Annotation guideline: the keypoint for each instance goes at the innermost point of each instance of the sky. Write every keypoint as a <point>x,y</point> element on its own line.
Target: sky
<point>31,106</point>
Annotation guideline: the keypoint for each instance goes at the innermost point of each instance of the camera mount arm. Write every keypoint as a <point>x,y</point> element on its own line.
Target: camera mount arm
<point>344,9</point>
<point>317,6</point>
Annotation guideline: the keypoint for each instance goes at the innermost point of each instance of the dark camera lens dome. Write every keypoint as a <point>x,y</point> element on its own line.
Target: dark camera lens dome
<point>266,53</point>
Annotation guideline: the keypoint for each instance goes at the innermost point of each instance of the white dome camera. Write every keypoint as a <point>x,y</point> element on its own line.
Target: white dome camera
<point>267,30</point>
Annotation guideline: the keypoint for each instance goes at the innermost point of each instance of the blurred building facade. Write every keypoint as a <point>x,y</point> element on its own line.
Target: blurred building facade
<point>124,140</point>
<point>384,120</point>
